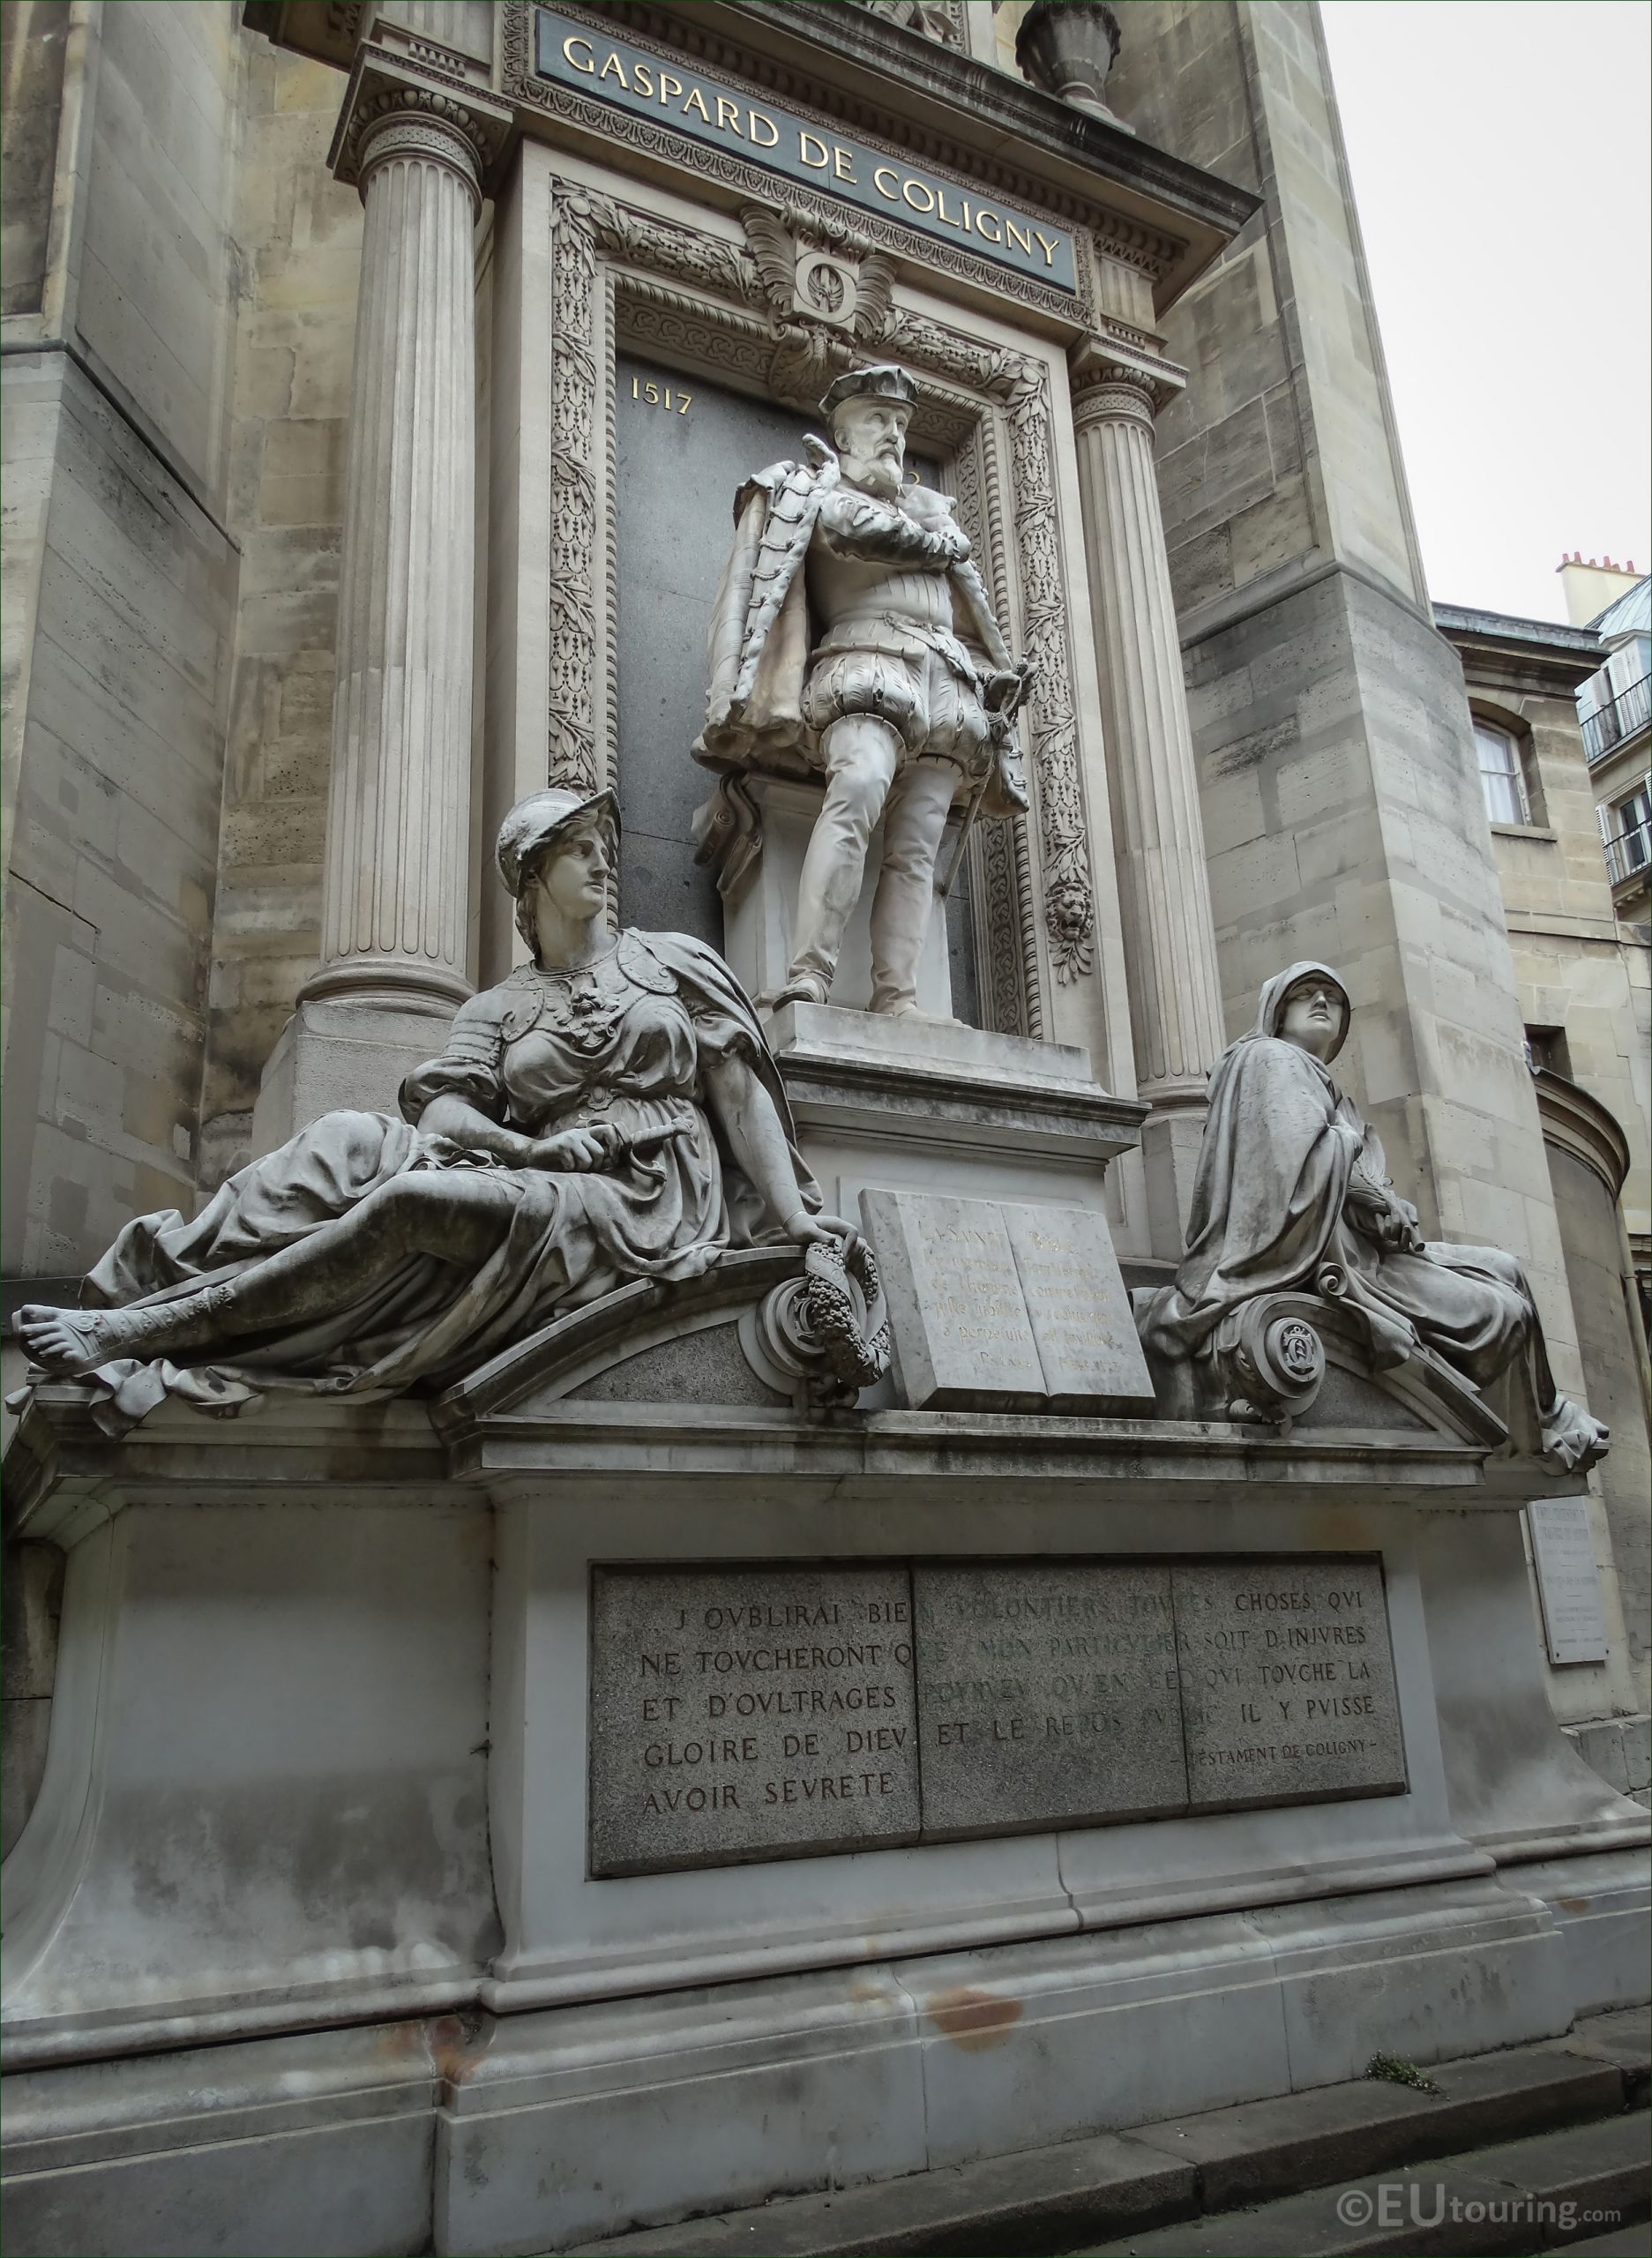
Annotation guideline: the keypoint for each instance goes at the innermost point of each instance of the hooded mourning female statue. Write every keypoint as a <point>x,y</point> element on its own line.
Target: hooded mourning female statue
<point>1292,1194</point>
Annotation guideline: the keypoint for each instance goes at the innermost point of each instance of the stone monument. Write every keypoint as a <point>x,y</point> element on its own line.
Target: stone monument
<point>702,1655</point>
<point>852,639</point>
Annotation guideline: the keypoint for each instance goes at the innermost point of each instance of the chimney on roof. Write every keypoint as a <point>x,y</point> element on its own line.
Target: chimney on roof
<point>1589,587</point>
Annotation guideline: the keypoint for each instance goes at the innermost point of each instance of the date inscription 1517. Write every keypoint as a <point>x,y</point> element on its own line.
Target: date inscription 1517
<point>672,400</point>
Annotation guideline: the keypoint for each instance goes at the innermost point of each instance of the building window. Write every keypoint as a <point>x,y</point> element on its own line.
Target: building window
<point>1500,778</point>
<point>1547,1052</point>
<point>1625,830</point>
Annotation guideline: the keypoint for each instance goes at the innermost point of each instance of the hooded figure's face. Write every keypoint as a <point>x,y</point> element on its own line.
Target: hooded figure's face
<point>1310,1015</point>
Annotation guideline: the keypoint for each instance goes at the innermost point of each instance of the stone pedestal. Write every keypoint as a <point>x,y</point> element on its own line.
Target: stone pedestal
<point>1170,939</point>
<point>311,1944</point>
<point>931,1106</point>
<point>761,902</point>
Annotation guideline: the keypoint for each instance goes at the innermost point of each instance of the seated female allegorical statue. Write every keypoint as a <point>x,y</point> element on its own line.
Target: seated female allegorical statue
<point>1292,1196</point>
<point>608,1112</point>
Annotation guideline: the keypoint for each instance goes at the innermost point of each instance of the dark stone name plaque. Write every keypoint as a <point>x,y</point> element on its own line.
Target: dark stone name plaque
<point>782,1710</point>
<point>720,115</point>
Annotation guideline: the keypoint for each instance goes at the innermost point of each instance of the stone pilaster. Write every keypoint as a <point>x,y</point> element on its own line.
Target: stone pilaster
<point>396,887</point>
<point>1170,939</point>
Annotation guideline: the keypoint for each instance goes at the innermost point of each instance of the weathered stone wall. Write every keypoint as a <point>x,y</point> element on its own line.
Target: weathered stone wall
<point>34,43</point>
<point>123,578</point>
<point>1607,1341</point>
<point>299,238</point>
<point>1341,800</point>
<point>1574,970</point>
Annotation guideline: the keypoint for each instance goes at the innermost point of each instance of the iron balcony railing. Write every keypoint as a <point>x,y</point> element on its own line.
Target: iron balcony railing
<point>1629,851</point>
<point>1623,714</point>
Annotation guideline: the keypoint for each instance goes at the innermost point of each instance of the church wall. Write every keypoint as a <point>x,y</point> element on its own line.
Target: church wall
<point>299,234</point>
<point>1612,1356</point>
<point>1341,802</point>
<point>110,885</point>
<point>154,278</point>
<point>114,665</point>
<point>1574,970</point>
<point>34,48</point>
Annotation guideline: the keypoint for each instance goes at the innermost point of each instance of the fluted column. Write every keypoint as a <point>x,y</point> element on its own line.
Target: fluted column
<point>1170,943</point>
<point>395,901</point>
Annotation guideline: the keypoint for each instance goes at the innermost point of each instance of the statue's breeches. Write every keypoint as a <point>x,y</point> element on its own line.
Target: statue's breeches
<point>938,715</point>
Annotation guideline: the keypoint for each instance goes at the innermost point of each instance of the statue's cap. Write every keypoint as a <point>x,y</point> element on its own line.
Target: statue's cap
<point>534,822</point>
<point>886,381</point>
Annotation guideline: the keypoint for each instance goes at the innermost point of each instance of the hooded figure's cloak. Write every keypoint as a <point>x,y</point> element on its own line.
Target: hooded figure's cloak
<point>1271,1213</point>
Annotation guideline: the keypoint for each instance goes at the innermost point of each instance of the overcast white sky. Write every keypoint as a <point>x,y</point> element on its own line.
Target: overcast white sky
<point>1499,149</point>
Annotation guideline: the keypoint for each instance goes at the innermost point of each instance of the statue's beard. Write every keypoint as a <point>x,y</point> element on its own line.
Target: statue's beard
<point>877,473</point>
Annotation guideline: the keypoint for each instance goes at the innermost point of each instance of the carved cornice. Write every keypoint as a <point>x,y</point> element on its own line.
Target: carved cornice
<point>1001,109</point>
<point>384,89</point>
<point>325,30</point>
<point>1581,1125</point>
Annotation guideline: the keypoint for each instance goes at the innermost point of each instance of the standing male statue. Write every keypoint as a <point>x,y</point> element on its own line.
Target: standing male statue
<point>852,631</point>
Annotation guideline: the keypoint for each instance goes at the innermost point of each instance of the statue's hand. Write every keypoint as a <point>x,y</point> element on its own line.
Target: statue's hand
<point>577,1151</point>
<point>1376,1210</point>
<point>816,1231</point>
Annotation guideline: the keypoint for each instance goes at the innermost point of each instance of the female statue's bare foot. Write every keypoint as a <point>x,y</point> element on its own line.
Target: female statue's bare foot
<point>70,1341</point>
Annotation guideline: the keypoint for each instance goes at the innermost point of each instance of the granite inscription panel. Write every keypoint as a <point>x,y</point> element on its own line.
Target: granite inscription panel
<point>1288,1684</point>
<point>749,1712</point>
<point>1047,1693</point>
<point>780,1709</point>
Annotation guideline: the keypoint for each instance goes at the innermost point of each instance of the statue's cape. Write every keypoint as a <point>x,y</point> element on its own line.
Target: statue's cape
<point>759,642</point>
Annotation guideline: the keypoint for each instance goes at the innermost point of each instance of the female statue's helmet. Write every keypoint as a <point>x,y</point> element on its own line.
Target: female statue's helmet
<point>532,830</point>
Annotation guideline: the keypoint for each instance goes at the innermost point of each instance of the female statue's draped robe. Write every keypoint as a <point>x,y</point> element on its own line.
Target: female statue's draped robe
<point>1282,1147</point>
<point>665,1008</point>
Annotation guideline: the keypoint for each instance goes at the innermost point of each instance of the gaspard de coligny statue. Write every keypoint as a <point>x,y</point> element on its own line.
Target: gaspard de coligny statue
<point>852,636</point>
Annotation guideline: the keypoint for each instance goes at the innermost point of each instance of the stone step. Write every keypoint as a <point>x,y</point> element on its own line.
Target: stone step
<point>1520,2196</point>
<point>1137,2184</point>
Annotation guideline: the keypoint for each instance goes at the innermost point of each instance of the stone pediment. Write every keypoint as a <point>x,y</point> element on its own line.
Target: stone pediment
<point>698,1346</point>
<point>680,1346</point>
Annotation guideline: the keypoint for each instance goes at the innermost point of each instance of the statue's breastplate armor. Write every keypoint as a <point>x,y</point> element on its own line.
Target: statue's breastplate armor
<point>861,606</point>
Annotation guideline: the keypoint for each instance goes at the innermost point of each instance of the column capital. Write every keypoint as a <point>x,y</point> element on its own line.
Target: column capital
<point>392,108</point>
<point>1116,376</point>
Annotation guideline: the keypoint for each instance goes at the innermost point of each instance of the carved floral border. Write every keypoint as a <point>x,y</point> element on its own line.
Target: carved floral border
<point>621,274</point>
